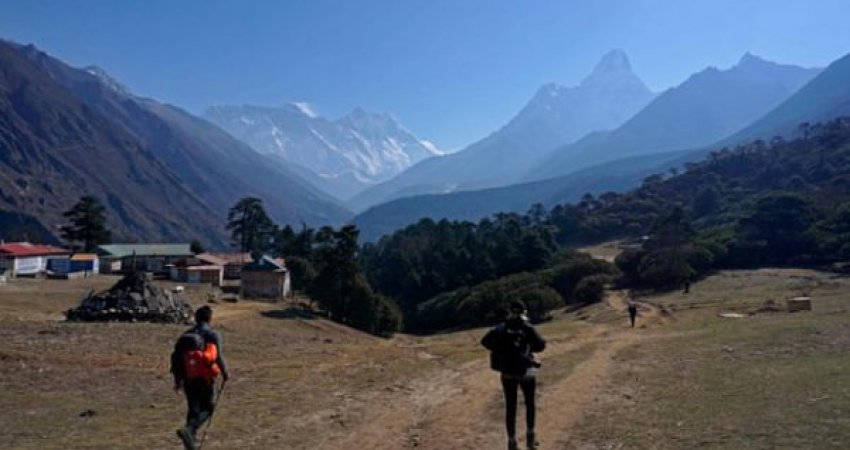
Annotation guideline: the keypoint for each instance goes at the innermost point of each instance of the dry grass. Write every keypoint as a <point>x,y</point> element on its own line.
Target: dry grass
<point>771,380</point>
<point>52,371</point>
<point>690,380</point>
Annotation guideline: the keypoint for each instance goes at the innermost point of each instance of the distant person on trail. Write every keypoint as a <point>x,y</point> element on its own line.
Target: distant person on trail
<point>632,311</point>
<point>512,345</point>
<point>196,362</point>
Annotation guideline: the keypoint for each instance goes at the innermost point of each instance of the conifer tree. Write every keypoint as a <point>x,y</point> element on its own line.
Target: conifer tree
<point>87,224</point>
<point>250,226</point>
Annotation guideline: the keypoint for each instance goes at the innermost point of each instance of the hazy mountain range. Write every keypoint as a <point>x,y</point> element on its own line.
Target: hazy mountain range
<point>162,173</point>
<point>709,106</point>
<point>165,174</point>
<point>556,115</point>
<point>784,97</point>
<point>344,156</point>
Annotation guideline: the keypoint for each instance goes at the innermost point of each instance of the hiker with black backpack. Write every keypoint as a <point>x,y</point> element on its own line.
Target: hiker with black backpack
<point>196,362</point>
<point>512,345</point>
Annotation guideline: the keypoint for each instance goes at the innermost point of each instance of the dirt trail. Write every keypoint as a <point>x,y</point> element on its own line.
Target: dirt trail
<point>461,407</point>
<point>564,404</point>
<point>648,314</point>
<point>474,419</point>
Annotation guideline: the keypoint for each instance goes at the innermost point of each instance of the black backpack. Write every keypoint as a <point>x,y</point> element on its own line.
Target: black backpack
<point>513,352</point>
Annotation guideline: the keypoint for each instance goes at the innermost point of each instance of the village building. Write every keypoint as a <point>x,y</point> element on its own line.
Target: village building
<point>154,258</point>
<point>233,263</point>
<point>24,258</point>
<point>78,265</point>
<point>265,278</point>
<point>201,268</point>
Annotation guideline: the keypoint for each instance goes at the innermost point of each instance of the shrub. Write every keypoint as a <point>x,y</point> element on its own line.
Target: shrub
<point>591,289</point>
<point>486,303</point>
<point>540,300</point>
<point>565,277</point>
<point>665,269</point>
<point>628,262</point>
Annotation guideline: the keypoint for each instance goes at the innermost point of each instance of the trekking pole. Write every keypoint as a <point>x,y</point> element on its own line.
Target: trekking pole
<point>212,414</point>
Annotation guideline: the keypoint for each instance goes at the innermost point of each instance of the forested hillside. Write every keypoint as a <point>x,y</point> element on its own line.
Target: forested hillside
<point>786,202</point>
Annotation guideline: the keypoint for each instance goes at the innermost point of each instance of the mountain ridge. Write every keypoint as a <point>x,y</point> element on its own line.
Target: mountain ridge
<point>202,168</point>
<point>555,115</point>
<point>708,106</point>
<point>617,175</point>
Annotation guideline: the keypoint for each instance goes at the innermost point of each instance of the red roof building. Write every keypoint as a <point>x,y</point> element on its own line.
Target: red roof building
<point>23,258</point>
<point>27,249</point>
<point>233,263</point>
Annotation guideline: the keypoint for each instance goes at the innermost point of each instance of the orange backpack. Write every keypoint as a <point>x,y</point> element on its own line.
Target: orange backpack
<point>199,363</point>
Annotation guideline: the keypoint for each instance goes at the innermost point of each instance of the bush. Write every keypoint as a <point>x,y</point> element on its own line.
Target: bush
<point>540,301</point>
<point>486,303</point>
<point>591,289</point>
<point>665,269</point>
<point>629,262</point>
<point>565,277</point>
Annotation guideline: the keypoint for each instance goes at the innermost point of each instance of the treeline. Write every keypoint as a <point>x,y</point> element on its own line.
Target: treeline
<point>448,274</point>
<point>783,202</point>
<point>570,278</point>
<point>777,203</point>
<point>429,276</point>
<point>425,259</point>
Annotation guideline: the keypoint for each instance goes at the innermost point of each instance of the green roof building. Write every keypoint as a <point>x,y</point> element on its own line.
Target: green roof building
<point>154,258</point>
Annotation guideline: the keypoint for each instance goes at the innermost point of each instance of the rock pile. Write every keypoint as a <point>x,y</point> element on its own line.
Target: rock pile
<point>134,298</point>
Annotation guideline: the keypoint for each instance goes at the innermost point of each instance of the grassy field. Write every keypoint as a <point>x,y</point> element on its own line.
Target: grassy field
<point>684,378</point>
<point>766,381</point>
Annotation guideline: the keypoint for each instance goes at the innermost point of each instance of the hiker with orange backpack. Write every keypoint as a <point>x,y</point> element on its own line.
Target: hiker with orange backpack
<point>196,362</point>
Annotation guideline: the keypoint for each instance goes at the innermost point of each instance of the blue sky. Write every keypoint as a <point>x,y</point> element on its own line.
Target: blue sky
<point>451,70</point>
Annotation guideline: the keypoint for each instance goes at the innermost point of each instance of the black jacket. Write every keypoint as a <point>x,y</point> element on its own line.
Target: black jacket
<point>512,344</point>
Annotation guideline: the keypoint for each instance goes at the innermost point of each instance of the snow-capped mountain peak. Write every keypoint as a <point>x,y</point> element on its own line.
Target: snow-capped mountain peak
<point>361,148</point>
<point>432,148</point>
<point>362,118</point>
<point>306,109</point>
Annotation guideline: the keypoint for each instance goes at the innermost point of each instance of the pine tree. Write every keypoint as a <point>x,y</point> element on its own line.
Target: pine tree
<point>87,224</point>
<point>251,228</point>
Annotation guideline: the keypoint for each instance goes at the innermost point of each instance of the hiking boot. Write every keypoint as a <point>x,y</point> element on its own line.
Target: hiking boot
<point>531,441</point>
<point>512,445</point>
<point>188,440</point>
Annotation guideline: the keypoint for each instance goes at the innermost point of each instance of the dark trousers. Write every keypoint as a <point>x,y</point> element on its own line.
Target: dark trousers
<point>509,387</point>
<point>200,397</point>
